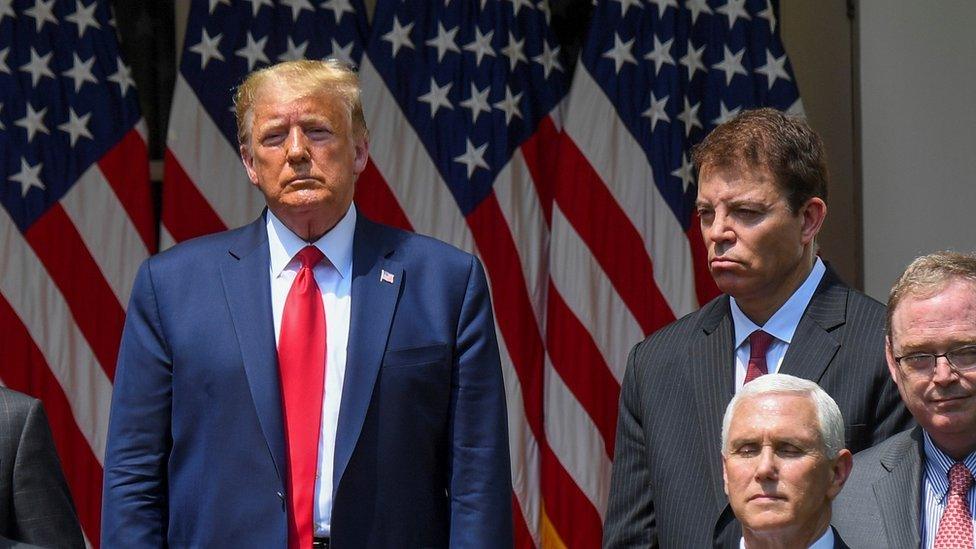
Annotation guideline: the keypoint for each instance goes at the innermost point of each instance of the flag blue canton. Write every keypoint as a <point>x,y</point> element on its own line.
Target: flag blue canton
<point>473,78</point>
<point>66,97</point>
<point>676,70</point>
<point>228,39</point>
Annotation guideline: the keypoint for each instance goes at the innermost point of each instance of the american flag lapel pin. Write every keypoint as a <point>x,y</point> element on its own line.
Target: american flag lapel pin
<point>386,276</point>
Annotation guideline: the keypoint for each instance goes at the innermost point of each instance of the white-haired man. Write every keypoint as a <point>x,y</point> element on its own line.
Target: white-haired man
<point>784,461</point>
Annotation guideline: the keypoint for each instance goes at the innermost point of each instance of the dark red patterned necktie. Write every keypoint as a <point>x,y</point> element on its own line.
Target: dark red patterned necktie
<point>758,345</point>
<point>301,362</point>
<point>956,527</point>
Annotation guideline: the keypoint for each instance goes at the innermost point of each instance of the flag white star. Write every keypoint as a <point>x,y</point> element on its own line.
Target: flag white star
<point>543,7</point>
<point>399,36</point>
<point>338,7</point>
<point>685,173</point>
<point>692,60</point>
<point>656,112</point>
<point>774,68</point>
<point>509,105</point>
<point>3,60</point>
<point>514,51</point>
<point>33,122</point>
<point>477,103</point>
<point>38,67</point>
<point>734,10</point>
<point>620,52</point>
<point>293,52</point>
<point>473,158</point>
<point>769,15</point>
<point>731,64</point>
<point>663,5</point>
<point>2,127</point>
<point>81,72</point>
<point>626,4</point>
<point>690,117</point>
<point>29,176</point>
<point>342,53</point>
<point>256,6</point>
<point>42,12</point>
<point>84,18</point>
<point>661,54</point>
<point>207,48</point>
<point>214,3</point>
<point>7,8</point>
<point>297,6</point>
<point>549,59</point>
<point>480,45</point>
<point>437,97</point>
<point>123,77</point>
<point>697,7</point>
<point>76,127</point>
<point>444,41</point>
<point>517,6</point>
<point>724,114</point>
<point>253,51</point>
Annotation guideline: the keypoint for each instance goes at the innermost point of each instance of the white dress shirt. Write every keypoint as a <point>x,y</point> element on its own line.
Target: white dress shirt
<point>935,490</point>
<point>333,276</point>
<point>781,326</point>
<point>826,541</point>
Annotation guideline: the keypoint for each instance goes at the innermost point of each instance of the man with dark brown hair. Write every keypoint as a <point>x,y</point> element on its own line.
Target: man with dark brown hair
<point>761,199</point>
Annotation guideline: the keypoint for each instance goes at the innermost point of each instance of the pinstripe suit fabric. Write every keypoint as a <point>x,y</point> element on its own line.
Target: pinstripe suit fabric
<point>667,489</point>
<point>35,506</point>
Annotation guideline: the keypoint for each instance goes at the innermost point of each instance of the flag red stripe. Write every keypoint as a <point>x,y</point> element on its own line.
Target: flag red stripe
<point>23,368</point>
<point>186,213</point>
<point>94,306</point>
<point>705,287</point>
<point>539,150</point>
<point>512,307</point>
<point>126,168</point>
<point>377,202</point>
<point>614,241</point>
<point>570,345</point>
<point>522,536</point>
<point>568,509</point>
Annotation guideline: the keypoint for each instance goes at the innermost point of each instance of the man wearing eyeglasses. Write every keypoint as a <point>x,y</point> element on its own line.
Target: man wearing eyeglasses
<point>916,488</point>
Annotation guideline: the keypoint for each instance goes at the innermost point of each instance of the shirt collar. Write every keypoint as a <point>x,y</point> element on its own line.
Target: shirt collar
<point>336,244</point>
<point>937,465</point>
<point>826,541</point>
<point>784,321</point>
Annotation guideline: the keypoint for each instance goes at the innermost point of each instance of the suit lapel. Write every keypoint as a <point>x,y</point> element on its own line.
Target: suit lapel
<point>898,493</point>
<point>712,376</point>
<point>814,345</point>
<point>374,300</point>
<point>247,287</point>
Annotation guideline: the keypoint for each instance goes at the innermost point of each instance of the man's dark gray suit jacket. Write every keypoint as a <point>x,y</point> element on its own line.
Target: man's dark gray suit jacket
<point>879,505</point>
<point>35,506</point>
<point>667,487</point>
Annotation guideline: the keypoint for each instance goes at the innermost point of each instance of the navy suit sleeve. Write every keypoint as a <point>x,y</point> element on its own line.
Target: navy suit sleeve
<point>134,502</point>
<point>480,472</point>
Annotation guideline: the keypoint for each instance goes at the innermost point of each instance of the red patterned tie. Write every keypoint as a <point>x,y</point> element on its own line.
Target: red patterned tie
<point>301,362</point>
<point>758,345</point>
<point>956,527</point>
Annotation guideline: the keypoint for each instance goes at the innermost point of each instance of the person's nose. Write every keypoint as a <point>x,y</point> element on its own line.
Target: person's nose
<point>766,468</point>
<point>942,373</point>
<point>297,146</point>
<point>720,230</point>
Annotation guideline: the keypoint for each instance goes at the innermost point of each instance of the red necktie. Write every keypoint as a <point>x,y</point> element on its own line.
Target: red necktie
<point>301,362</point>
<point>758,345</point>
<point>956,527</point>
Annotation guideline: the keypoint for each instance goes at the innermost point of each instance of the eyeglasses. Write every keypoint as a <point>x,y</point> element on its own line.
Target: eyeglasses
<point>962,359</point>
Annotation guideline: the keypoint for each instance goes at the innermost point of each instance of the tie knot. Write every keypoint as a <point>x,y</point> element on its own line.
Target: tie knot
<point>960,479</point>
<point>309,256</point>
<point>759,342</point>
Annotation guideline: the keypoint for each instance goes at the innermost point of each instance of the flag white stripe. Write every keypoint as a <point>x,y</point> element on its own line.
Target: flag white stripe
<point>210,161</point>
<point>42,309</point>
<point>587,291</point>
<point>620,162</point>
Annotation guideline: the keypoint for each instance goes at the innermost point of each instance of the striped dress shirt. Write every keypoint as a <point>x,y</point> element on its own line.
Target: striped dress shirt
<point>935,490</point>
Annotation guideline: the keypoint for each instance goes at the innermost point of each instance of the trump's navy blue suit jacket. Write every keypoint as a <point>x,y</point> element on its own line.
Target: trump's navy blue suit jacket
<point>196,454</point>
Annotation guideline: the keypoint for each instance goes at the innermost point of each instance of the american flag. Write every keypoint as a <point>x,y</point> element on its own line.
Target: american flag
<point>626,255</point>
<point>205,188</point>
<point>75,223</point>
